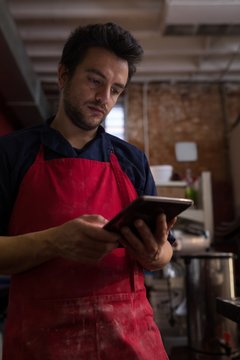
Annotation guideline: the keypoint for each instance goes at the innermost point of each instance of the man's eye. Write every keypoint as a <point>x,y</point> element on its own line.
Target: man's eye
<point>116,91</point>
<point>94,81</point>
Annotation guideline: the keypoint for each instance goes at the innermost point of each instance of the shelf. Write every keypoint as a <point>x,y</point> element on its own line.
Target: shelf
<point>171,183</point>
<point>203,214</point>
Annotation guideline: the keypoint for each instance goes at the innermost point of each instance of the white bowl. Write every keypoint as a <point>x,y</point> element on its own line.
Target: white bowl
<point>161,173</point>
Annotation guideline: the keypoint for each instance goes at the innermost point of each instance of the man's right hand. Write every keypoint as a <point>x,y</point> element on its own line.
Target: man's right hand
<point>83,239</point>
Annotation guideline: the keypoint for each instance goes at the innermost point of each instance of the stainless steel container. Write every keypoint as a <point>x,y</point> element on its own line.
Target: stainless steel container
<point>208,276</point>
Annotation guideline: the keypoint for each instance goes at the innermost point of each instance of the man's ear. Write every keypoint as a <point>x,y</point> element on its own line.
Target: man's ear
<point>62,76</point>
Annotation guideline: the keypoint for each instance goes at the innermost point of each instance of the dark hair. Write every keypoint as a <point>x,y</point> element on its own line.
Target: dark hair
<point>109,36</point>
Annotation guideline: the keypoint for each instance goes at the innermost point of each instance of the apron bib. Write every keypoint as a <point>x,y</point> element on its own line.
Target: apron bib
<point>61,309</point>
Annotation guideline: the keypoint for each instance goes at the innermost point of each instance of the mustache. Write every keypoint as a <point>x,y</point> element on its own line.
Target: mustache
<point>99,104</point>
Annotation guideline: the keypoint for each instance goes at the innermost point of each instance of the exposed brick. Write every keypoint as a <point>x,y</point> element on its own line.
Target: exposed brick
<point>201,113</point>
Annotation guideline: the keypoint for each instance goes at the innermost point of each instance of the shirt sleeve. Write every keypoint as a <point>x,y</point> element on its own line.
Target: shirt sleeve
<point>149,187</point>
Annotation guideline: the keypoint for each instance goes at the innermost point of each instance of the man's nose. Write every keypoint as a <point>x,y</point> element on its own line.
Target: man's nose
<point>103,95</point>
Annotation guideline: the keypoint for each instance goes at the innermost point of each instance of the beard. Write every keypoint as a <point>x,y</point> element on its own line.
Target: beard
<point>78,119</point>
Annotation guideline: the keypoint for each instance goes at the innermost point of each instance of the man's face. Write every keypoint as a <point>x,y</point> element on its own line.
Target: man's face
<point>93,90</point>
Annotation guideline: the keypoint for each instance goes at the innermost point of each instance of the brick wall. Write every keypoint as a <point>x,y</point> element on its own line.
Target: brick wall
<point>159,115</point>
<point>232,109</point>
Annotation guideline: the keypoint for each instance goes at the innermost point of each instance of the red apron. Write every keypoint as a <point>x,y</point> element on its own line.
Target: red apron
<point>63,310</point>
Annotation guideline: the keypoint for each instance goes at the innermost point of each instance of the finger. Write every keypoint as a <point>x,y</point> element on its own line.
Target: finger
<point>143,248</point>
<point>95,219</point>
<point>96,235</point>
<point>161,231</point>
<point>128,237</point>
<point>146,234</point>
<point>171,223</point>
<point>131,240</point>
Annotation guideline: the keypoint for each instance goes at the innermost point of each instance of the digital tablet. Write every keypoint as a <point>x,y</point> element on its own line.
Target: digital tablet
<point>148,208</point>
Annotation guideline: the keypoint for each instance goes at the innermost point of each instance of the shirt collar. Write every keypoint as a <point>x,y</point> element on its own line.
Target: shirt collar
<point>54,140</point>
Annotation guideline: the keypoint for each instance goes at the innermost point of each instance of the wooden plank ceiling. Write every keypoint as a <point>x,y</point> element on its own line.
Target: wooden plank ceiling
<point>184,40</point>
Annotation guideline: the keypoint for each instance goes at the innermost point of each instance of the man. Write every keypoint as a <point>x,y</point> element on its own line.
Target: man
<point>75,293</point>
